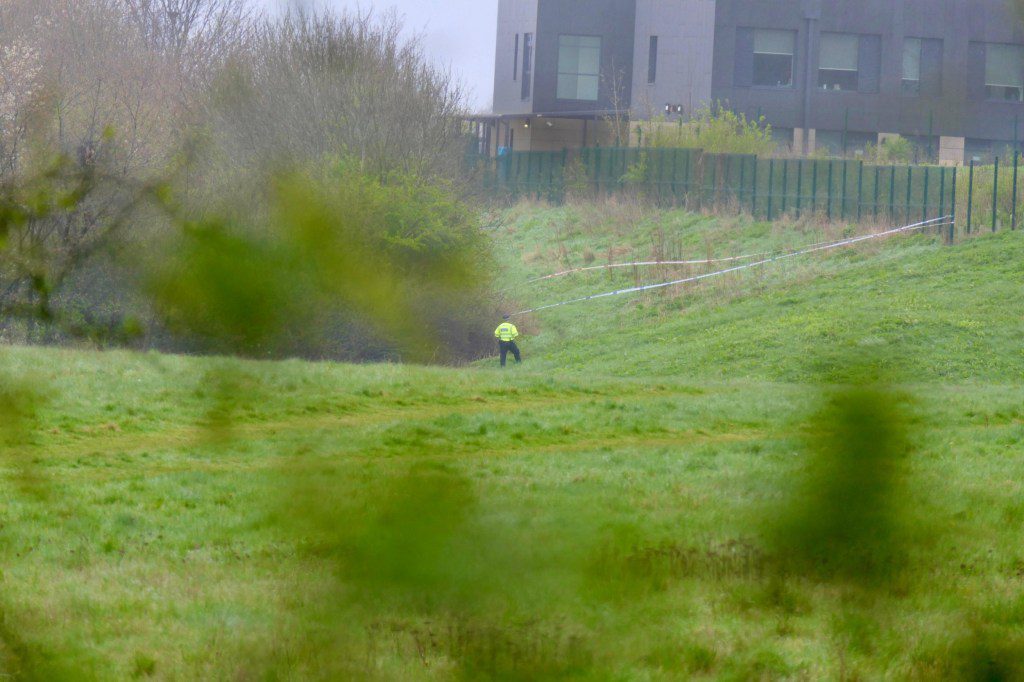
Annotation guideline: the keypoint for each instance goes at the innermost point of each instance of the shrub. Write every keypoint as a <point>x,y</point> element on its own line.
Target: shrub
<point>713,129</point>
<point>895,149</point>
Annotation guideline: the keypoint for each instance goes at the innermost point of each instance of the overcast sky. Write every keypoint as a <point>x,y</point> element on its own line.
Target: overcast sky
<point>457,33</point>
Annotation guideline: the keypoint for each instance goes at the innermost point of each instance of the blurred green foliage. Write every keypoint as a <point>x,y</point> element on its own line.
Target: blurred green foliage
<point>329,262</point>
<point>848,516</point>
<point>319,253</point>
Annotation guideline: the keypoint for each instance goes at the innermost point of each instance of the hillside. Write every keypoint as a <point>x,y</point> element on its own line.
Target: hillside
<point>616,508</point>
<point>910,305</point>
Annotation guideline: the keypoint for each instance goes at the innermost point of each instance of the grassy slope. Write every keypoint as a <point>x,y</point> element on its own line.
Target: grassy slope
<point>158,525</point>
<point>921,309</point>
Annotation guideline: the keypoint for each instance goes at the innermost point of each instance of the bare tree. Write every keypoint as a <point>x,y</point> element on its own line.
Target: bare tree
<point>198,35</point>
<point>317,85</point>
<point>613,80</point>
<point>200,93</point>
<point>88,112</point>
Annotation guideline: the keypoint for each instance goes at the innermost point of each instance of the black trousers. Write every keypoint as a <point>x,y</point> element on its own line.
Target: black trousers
<point>507,347</point>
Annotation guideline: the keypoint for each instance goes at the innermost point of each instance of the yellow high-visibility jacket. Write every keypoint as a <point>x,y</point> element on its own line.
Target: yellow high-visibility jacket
<point>506,332</point>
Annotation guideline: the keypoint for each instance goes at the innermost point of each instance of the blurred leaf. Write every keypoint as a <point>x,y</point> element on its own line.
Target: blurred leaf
<point>272,276</point>
<point>847,516</point>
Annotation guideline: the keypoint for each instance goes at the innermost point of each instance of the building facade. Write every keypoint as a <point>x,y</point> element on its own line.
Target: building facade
<point>947,74</point>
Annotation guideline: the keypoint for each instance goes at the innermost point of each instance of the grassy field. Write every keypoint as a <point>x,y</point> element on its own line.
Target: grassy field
<point>660,493</point>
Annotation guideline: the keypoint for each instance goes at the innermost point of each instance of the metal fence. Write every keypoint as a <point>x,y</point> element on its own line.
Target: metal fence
<point>767,188</point>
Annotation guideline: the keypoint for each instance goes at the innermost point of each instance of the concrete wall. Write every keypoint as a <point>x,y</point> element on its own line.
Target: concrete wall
<point>515,17</point>
<point>685,30</point>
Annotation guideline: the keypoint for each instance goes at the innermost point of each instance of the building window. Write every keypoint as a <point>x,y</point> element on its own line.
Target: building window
<point>773,58</point>
<point>579,67</point>
<point>837,61</point>
<point>527,64</point>
<point>922,66</point>
<point>652,60</point>
<point>515,61</point>
<point>912,66</point>
<point>1004,72</point>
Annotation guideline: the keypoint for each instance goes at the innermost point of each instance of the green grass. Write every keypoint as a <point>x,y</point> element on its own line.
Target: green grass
<point>926,311</point>
<point>609,510</point>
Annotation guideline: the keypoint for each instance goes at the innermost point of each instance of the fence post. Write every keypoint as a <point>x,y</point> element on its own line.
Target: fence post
<point>924,197</point>
<point>517,173</point>
<point>952,223</point>
<point>675,168</point>
<point>551,171</point>
<point>860,188</point>
<point>814,186</point>
<point>910,185</point>
<point>742,183</point>
<point>785,183</point>
<point>995,192</point>
<point>1013,211</point>
<point>688,175</point>
<point>661,176</point>
<point>842,207</point>
<point>771,187</point>
<point>540,172</point>
<point>717,180</point>
<point>942,192</point>
<point>892,195</point>
<point>700,175</point>
<point>625,163</point>
<point>753,191</point>
<point>799,185</point>
<point>970,197</point>
<point>593,176</point>
<point>565,163</point>
<point>829,200</point>
<point>878,175</point>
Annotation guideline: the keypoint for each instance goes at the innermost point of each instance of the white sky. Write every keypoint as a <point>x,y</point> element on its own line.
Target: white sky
<point>457,33</point>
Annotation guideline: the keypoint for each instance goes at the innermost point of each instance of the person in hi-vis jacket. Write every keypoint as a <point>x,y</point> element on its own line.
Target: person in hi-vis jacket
<point>506,333</point>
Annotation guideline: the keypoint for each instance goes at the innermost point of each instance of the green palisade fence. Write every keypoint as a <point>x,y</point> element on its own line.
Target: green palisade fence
<point>980,197</point>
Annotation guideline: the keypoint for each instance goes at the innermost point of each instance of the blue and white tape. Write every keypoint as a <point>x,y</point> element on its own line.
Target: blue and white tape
<point>825,246</point>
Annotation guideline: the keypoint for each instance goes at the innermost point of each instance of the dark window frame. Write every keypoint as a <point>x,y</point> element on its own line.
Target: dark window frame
<point>759,67</point>
<point>527,91</point>
<point>991,89</point>
<point>929,82</point>
<point>559,73</point>
<point>515,61</point>
<point>911,87</point>
<point>652,61</point>
<point>848,80</point>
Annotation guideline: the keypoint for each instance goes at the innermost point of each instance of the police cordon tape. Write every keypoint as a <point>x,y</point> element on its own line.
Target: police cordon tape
<point>934,222</point>
<point>646,264</point>
<point>656,263</point>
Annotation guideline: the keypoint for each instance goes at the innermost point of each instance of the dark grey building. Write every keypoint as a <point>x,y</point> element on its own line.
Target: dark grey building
<point>948,74</point>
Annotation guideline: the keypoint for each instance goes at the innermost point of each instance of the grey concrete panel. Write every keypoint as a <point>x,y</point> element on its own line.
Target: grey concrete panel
<point>685,30</point>
<point>515,17</point>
